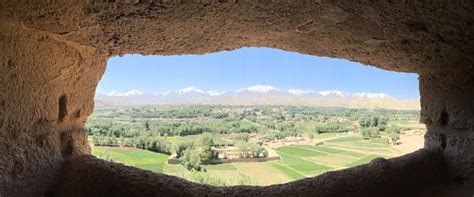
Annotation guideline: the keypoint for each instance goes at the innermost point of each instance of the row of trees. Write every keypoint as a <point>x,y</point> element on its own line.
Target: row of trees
<point>148,143</point>
<point>393,132</point>
<point>171,128</point>
<point>371,126</point>
<point>251,150</point>
<point>372,121</point>
<point>370,132</point>
<point>193,155</point>
<point>198,119</point>
<point>332,128</point>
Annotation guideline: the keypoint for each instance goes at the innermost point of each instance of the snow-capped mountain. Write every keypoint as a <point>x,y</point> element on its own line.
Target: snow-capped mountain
<point>371,95</point>
<point>300,92</point>
<point>194,90</point>
<point>215,93</point>
<point>261,89</point>
<point>258,95</point>
<point>336,93</point>
<point>127,93</point>
<point>191,89</point>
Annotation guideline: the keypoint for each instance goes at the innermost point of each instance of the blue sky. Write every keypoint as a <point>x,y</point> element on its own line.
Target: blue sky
<point>231,70</point>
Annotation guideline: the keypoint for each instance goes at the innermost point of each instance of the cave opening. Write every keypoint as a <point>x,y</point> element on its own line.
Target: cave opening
<point>251,116</point>
<point>55,54</point>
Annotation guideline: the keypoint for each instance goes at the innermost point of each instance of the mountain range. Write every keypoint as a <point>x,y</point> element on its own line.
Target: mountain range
<point>257,95</point>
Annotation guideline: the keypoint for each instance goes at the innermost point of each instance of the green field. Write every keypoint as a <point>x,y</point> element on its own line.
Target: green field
<point>297,161</point>
<point>345,138</point>
<point>133,157</point>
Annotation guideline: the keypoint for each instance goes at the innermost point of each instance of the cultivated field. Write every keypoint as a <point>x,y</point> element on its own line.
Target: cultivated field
<point>309,140</point>
<point>338,151</point>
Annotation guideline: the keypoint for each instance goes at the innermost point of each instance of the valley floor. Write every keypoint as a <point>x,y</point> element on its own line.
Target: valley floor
<point>298,160</point>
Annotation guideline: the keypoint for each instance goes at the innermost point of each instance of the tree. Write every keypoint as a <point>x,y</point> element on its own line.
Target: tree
<point>109,141</point>
<point>204,147</point>
<point>364,122</point>
<point>243,149</point>
<point>365,132</point>
<point>381,127</point>
<point>394,137</point>
<point>147,125</point>
<point>206,140</point>
<point>383,121</point>
<point>96,140</point>
<point>128,142</point>
<point>374,133</point>
<point>374,122</point>
<point>191,160</point>
<point>251,150</point>
<point>264,153</point>
<point>394,129</point>
<point>181,147</point>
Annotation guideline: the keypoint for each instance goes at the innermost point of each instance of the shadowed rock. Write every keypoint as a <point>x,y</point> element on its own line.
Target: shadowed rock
<point>54,53</point>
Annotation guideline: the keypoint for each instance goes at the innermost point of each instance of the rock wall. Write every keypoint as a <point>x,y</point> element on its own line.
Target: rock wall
<point>54,52</point>
<point>448,111</point>
<point>47,91</point>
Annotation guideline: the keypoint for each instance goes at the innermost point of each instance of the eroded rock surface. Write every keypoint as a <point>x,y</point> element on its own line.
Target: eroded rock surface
<point>53,53</point>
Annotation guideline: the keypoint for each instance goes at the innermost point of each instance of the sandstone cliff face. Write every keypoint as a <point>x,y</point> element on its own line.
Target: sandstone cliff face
<point>54,53</point>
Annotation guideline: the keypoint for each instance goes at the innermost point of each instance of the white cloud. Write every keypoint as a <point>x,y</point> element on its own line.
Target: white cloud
<point>371,95</point>
<point>127,93</point>
<point>299,92</point>
<point>337,93</point>
<point>262,89</point>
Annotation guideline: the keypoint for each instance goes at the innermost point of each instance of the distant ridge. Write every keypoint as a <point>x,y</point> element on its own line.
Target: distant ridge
<point>258,95</point>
